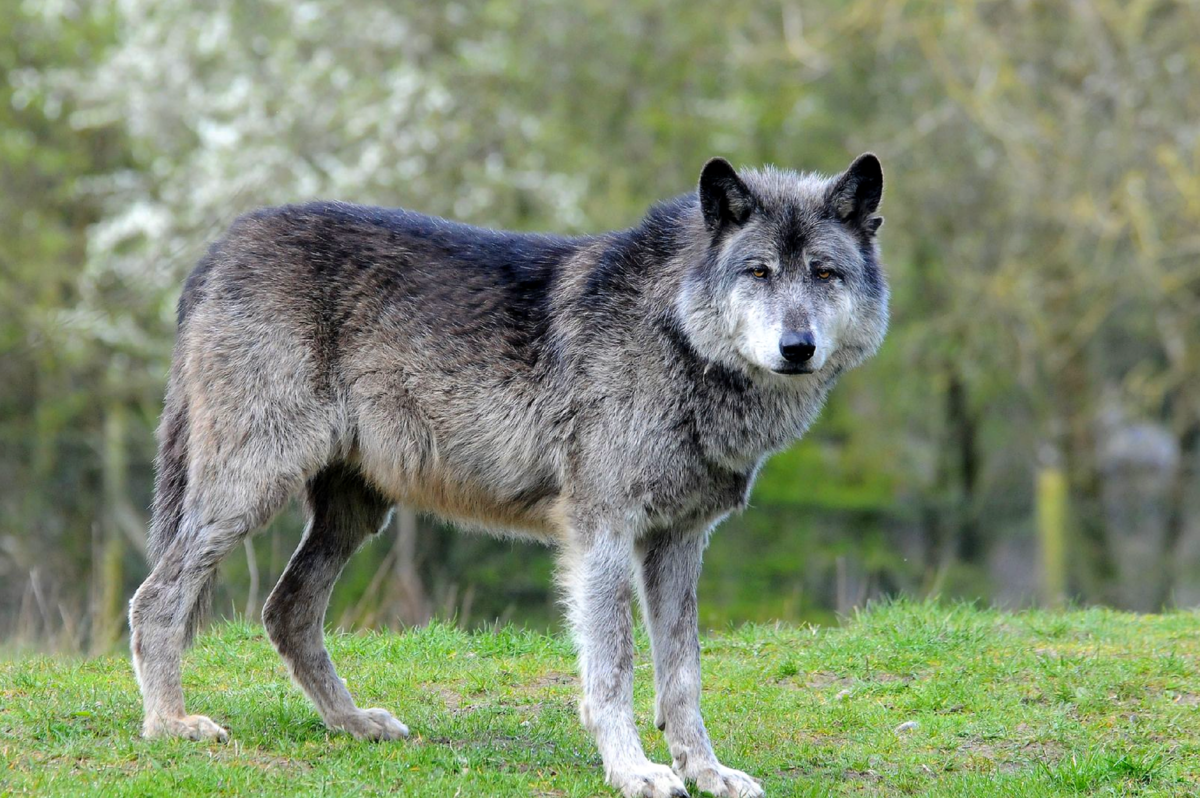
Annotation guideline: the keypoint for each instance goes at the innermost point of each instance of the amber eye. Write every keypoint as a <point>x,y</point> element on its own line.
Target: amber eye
<point>823,274</point>
<point>759,272</point>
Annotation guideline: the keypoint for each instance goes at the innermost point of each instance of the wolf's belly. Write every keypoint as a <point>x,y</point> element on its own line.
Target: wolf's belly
<point>528,508</point>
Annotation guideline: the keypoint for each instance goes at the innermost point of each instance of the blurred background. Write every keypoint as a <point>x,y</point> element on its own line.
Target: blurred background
<point>1028,434</point>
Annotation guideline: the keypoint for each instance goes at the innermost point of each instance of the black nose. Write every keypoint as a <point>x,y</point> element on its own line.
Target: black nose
<point>797,347</point>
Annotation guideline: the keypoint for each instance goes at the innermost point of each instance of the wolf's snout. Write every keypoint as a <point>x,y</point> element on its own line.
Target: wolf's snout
<point>797,347</point>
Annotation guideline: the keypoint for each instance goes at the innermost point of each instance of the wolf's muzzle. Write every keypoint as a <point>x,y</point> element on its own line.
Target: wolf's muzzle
<point>797,347</point>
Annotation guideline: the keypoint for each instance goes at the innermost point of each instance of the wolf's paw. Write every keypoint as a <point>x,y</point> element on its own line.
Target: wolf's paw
<point>190,727</point>
<point>716,779</point>
<point>372,724</point>
<point>648,781</point>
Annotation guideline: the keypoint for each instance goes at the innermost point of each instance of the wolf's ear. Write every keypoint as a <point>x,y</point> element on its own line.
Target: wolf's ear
<point>724,198</point>
<point>856,193</point>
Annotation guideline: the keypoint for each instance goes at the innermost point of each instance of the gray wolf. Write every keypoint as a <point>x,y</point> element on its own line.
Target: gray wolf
<point>612,395</point>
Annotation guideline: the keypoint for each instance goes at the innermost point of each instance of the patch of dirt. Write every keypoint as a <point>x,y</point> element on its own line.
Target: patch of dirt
<point>552,679</point>
<point>453,700</point>
<point>271,762</point>
<point>821,680</point>
<point>1043,750</point>
<point>1187,699</point>
<point>887,678</point>
<point>1012,756</point>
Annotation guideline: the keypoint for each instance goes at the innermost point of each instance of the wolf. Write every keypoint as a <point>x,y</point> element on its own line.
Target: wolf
<point>613,395</point>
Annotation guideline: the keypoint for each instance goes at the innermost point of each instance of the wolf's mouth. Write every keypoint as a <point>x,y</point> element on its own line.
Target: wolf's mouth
<point>793,370</point>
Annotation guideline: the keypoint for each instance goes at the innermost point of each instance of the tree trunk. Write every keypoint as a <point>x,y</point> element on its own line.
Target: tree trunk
<point>108,585</point>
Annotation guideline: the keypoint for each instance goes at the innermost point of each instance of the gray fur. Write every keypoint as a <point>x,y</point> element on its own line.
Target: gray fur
<point>613,396</point>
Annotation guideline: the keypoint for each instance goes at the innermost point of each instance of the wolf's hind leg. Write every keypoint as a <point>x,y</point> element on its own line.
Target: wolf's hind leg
<point>164,608</point>
<point>344,511</point>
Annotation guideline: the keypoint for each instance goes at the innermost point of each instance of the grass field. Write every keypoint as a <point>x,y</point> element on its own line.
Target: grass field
<point>904,699</point>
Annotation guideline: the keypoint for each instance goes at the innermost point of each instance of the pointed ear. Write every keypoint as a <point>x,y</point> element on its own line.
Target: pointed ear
<point>724,198</point>
<point>856,193</point>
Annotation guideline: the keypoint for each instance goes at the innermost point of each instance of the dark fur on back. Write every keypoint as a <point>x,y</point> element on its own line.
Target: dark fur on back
<point>346,255</point>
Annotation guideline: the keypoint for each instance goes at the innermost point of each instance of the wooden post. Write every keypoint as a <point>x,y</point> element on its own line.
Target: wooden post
<point>1052,504</point>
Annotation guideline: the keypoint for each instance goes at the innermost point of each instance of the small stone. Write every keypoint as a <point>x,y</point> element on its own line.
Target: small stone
<point>842,696</point>
<point>907,726</point>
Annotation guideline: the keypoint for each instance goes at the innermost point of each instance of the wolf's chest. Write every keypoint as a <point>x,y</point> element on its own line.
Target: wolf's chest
<point>738,433</point>
<point>711,472</point>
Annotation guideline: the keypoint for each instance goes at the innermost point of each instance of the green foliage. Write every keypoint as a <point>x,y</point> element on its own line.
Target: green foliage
<point>906,698</point>
<point>831,469</point>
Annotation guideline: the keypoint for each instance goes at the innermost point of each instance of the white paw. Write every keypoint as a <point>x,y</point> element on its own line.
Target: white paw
<point>190,727</point>
<point>716,779</point>
<point>371,724</point>
<point>647,780</point>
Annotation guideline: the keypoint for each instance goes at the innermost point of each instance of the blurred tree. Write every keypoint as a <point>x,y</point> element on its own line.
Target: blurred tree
<point>54,522</point>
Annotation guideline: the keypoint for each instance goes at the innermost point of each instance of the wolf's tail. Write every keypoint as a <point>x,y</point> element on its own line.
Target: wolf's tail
<point>170,489</point>
<point>170,480</point>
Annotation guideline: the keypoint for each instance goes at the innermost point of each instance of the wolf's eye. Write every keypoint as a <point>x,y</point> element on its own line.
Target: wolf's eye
<point>822,272</point>
<point>759,272</point>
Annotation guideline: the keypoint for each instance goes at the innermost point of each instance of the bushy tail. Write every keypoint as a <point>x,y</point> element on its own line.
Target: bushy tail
<point>170,480</point>
<point>170,488</point>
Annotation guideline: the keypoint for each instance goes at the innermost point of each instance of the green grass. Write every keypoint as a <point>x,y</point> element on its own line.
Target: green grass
<point>1028,704</point>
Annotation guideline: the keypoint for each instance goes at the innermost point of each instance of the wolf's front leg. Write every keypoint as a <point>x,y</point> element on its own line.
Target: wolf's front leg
<point>669,567</point>
<point>598,571</point>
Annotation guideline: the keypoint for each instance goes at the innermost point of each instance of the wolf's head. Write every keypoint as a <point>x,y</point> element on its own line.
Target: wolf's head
<point>790,283</point>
